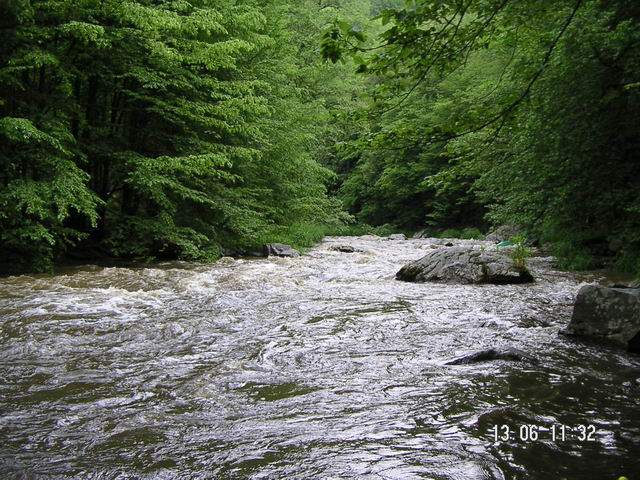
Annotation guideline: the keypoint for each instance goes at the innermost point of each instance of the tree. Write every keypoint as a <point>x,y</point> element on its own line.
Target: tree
<point>163,129</point>
<point>544,107</point>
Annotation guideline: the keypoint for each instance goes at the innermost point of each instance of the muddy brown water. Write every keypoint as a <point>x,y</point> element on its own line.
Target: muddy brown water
<point>320,367</point>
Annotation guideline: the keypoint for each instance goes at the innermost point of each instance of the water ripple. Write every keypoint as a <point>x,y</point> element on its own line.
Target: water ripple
<point>317,367</point>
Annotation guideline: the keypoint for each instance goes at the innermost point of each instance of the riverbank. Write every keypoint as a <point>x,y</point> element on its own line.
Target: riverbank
<point>301,236</point>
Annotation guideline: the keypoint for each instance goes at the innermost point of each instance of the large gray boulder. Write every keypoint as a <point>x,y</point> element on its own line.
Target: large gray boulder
<point>280,250</point>
<point>505,232</point>
<point>464,264</point>
<point>611,314</point>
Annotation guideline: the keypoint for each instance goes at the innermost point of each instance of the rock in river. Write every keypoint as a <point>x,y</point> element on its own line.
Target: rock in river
<point>510,354</point>
<point>345,249</point>
<point>280,250</point>
<point>611,314</point>
<point>464,265</point>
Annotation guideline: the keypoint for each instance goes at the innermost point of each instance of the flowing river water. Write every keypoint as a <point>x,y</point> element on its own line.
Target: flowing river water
<point>321,367</point>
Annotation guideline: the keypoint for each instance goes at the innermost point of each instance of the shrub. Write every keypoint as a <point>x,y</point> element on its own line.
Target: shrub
<point>465,233</point>
<point>572,257</point>
<point>520,253</point>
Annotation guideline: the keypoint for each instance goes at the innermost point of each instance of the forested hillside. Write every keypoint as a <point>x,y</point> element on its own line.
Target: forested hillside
<point>162,129</point>
<point>166,129</point>
<point>499,112</point>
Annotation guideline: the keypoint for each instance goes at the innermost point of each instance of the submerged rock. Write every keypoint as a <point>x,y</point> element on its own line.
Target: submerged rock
<point>464,265</point>
<point>490,354</point>
<point>611,314</point>
<point>345,249</point>
<point>280,250</point>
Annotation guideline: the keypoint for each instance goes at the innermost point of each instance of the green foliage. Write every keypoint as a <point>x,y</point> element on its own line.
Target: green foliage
<point>629,261</point>
<point>358,229</point>
<point>464,233</point>
<point>469,233</point>
<point>304,235</point>
<point>504,113</point>
<point>42,190</point>
<point>572,257</point>
<point>520,253</point>
<point>165,129</point>
<point>300,236</point>
<point>185,129</point>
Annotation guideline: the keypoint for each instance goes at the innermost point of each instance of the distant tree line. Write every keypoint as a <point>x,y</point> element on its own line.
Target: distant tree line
<point>144,129</point>
<point>487,112</point>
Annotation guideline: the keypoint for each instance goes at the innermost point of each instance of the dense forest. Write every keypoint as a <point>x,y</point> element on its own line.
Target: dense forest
<point>176,129</point>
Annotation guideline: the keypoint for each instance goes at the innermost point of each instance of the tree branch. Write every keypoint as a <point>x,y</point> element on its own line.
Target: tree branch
<point>527,91</point>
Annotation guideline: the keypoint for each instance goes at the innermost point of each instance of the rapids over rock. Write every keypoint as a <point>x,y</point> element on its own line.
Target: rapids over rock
<point>322,366</point>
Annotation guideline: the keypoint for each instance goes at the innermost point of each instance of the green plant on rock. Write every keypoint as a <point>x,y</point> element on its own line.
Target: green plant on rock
<point>520,253</point>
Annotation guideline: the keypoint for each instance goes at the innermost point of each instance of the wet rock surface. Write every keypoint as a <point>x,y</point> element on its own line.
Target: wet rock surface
<point>280,250</point>
<point>344,249</point>
<point>490,354</point>
<point>464,265</point>
<point>610,314</point>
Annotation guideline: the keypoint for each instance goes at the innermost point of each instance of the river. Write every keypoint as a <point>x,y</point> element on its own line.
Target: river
<point>321,367</point>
